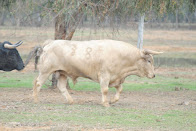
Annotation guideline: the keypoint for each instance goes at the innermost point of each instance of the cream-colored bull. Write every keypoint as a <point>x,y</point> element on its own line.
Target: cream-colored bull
<point>107,62</point>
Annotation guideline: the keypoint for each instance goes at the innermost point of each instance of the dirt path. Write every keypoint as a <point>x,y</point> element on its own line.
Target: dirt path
<point>148,99</point>
<point>160,101</point>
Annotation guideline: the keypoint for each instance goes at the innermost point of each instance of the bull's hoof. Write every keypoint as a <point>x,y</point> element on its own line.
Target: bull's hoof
<point>106,104</point>
<point>71,102</point>
<point>112,101</point>
<point>36,100</point>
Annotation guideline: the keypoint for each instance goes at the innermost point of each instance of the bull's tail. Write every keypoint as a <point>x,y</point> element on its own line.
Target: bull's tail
<point>36,53</point>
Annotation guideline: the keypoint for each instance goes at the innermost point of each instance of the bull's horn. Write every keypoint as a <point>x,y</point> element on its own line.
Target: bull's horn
<point>13,46</point>
<point>151,52</point>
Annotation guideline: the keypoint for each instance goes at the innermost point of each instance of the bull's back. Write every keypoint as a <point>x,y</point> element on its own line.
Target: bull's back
<point>90,50</point>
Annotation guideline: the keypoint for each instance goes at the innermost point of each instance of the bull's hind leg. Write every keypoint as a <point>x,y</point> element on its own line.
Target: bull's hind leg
<point>104,82</point>
<point>118,91</point>
<point>38,84</point>
<point>62,82</point>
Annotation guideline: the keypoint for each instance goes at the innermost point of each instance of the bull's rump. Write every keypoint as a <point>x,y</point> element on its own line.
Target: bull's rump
<point>88,58</point>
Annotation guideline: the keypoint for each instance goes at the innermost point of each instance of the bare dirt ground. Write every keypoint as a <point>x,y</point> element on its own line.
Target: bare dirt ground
<point>149,99</point>
<point>161,101</point>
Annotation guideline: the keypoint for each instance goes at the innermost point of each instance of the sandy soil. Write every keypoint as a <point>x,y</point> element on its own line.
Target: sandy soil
<point>160,101</point>
<point>148,99</point>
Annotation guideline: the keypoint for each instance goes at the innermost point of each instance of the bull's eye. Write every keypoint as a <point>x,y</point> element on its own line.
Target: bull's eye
<point>149,61</point>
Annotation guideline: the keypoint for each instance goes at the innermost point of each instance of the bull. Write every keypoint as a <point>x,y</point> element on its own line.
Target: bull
<point>9,57</point>
<point>107,62</point>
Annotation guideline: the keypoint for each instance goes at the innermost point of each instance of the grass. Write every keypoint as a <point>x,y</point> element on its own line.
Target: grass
<point>13,79</point>
<point>89,116</point>
<point>132,83</point>
<point>17,80</point>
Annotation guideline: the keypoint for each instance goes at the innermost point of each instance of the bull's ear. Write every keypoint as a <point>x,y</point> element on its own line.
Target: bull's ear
<point>148,52</point>
<point>143,54</point>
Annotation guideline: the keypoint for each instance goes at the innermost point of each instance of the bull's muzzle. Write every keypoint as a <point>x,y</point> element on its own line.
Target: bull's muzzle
<point>151,76</point>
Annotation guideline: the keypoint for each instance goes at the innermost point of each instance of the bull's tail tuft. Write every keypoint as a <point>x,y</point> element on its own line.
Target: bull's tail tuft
<point>35,52</point>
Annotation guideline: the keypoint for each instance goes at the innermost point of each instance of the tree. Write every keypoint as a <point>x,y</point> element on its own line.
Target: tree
<point>68,14</point>
<point>159,7</point>
<point>65,29</point>
<point>5,5</point>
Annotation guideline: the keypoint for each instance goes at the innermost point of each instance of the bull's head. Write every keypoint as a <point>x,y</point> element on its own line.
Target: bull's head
<point>146,63</point>
<point>9,57</point>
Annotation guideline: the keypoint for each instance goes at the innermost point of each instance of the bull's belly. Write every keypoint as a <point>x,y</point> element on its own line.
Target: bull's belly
<point>112,82</point>
<point>93,74</point>
<point>74,73</point>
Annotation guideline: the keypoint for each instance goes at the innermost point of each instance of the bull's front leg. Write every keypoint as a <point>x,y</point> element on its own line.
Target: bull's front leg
<point>117,95</point>
<point>104,82</point>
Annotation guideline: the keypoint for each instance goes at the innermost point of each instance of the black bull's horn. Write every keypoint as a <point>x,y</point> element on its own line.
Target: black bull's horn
<point>12,46</point>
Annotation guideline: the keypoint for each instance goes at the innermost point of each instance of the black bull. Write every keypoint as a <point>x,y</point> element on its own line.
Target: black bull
<point>9,57</point>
